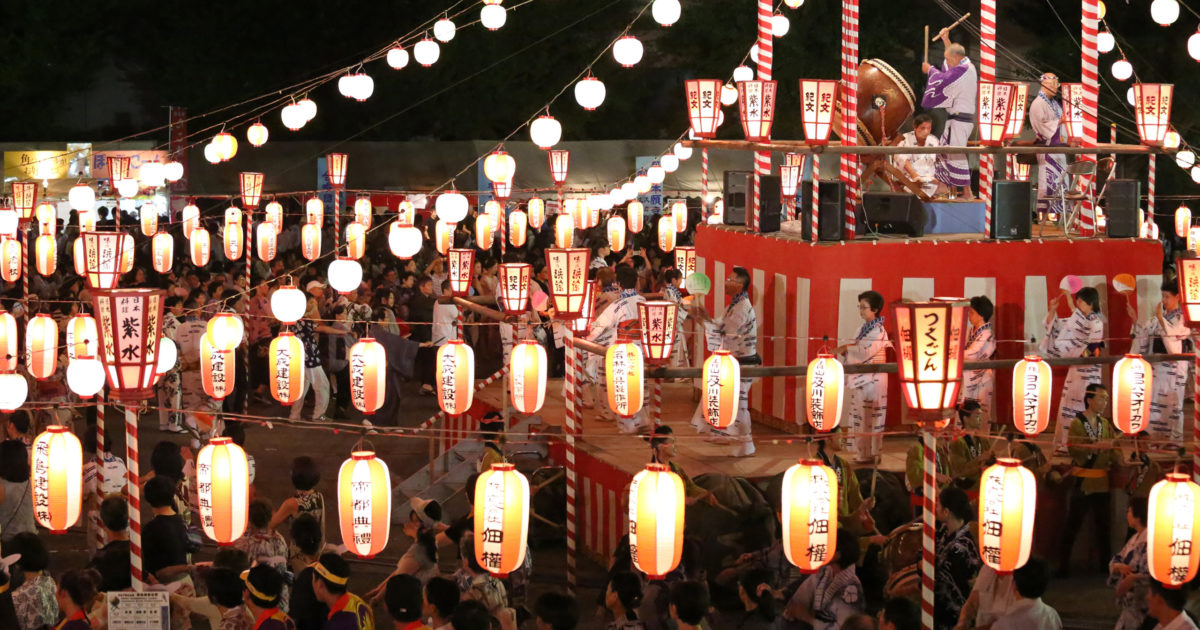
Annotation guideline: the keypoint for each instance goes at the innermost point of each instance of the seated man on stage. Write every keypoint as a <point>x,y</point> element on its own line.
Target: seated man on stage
<point>952,87</point>
<point>920,167</point>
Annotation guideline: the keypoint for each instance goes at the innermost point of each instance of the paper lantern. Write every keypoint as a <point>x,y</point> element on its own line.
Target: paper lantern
<point>1007,501</point>
<point>8,223</point>
<point>426,52</point>
<point>364,504</point>
<point>225,331</point>
<point>1122,69</point>
<point>41,346</point>
<point>345,274</point>
<point>536,210</point>
<point>24,198</point>
<point>492,15</point>
<point>1133,382</point>
<point>499,166</point>
<point>1016,118</point>
<point>8,342</point>
<point>251,185</point>
<point>517,224</point>
<point>679,214</point>
<point>704,106</point>
<point>190,215</point>
<point>560,162</point>
<point>127,250</point>
<point>825,389</point>
<point>483,232</point>
<point>930,353</point>
<point>82,198</point>
<point>130,325</point>
<point>685,260</point>
<point>85,376</point>
<point>1152,111</point>
<point>397,57</point>
<point>455,377</point>
<point>405,212</point>
<point>1183,221</point>
<point>288,303</point>
<point>223,488</point>
<point>286,378</point>
<point>666,233</point>
<point>756,106</point>
<point>656,520</point>
<point>57,475</point>
<point>512,290</point>
<point>789,179</point>
<point>162,252</point>
<point>335,163</point>
<point>657,319</point>
<point>14,390</point>
<point>568,279</point>
<point>363,211</point>
<point>809,510</point>
<point>314,211</point>
<point>589,92</point>
<point>634,213</point>
<point>564,231</point>
<point>452,206</point>
<point>310,241</point>
<point>1072,103</point>
<point>218,368</point>
<point>493,210</point>
<point>581,323</point>
<point>356,240</point>
<point>200,247</point>
<point>82,336</point>
<point>148,218</point>
<point>168,356</point>
<point>616,233</point>
<point>1032,380</point>
<point>11,253</point>
<point>265,241</point>
<point>368,375</point>
<point>234,241</point>
<point>443,236</point>
<point>47,216</point>
<point>502,509</point>
<point>623,377</point>
<point>224,146</point>
<point>818,100</point>
<point>1172,545</point>
<point>404,240</point>
<point>545,131</point>
<point>293,116</point>
<point>995,106</point>
<point>274,215</point>
<point>460,264</point>
<point>527,376</point>
<point>722,388</point>
<point>46,251</point>
<point>627,51</point>
<point>257,134</point>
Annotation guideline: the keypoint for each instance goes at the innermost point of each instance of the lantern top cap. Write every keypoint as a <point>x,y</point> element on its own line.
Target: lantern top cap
<point>649,303</point>
<point>57,428</point>
<point>1032,357</point>
<point>1008,462</point>
<point>366,340</point>
<point>362,455</point>
<point>1132,355</point>
<point>502,467</point>
<point>804,461</point>
<point>220,441</point>
<point>657,467</point>
<point>1178,477</point>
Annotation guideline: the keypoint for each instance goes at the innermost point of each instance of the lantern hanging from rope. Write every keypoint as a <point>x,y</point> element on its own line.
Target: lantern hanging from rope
<point>657,319</point>
<point>1172,525</point>
<point>56,470</point>
<point>286,376</point>
<point>460,265</point>
<point>502,509</point>
<point>46,251</point>
<point>218,368</point>
<point>404,240</point>
<point>364,504</point>
<point>564,231</point>
<point>11,253</point>
<point>363,211</point>
<point>200,246</point>
<point>568,279</point>
<point>310,241</point>
<point>451,206</point>
<point>368,375</point>
<point>314,211</point>
<point>127,250</point>
<point>162,252</point>
<point>345,274</point>
<point>666,234</point>
<point>356,240</point>
<point>1032,381</point>
<point>1133,381</point>
<point>288,303</point>
<point>81,337</point>
<point>8,342</point>
<point>656,520</point>
<point>616,233</point>
<point>930,354</point>
<point>85,376</point>
<point>1007,501</point>
<point>1183,221</point>
<point>513,287</point>
<point>536,210</point>
<point>41,346</point>
<point>223,488</point>
<point>809,510</point>
<point>148,216</point>
<point>190,216</point>
<point>518,224</point>
<point>623,372</point>
<point>443,236</point>
<point>679,213</point>
<point>225,330</point>
<point>455,373</point>
<point>234,241</point>
<point>825,389</point>
<point>274,215</point>
<point>14,390</point>
<point>634,214</point>
<point>722,388</point>
<point>266,241</point>
<point>818,101</point>
<point>527,376</point>
<point>483,232</point>
<point>499,166</point>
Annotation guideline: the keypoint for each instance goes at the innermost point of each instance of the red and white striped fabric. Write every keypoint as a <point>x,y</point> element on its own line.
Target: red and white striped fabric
<point>849,163</point>
<point>762,159</point>
<point>987,72</point>
<point>1091,95</point>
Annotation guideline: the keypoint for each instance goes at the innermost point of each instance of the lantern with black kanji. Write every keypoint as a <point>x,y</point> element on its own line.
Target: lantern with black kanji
<point>1007,501</point>
<point>368,375</point>
<point>335,164</point>
<point>581,323</point>
<point>223,487</point>
<point>527,376</point>
<point>1016,118</point>
<point>286,375</point>
<point>1172,528</point>
<point>460,265</point>
<point>930,354</point>
<point>56,470</point>
<point>310,241</point>
<point>162,252</point>
<point>251,184</point>
<point>825,388</point>
<point>560,162</point>
<point>756,105</point>
<point>810,515</point>
<point>24,198</point>
<point>657,319</point>
<point>1133,382</point>
<point>364,504</point>
<point>130,325</point>
<point>512,289</point>
<point>102,252</point>
<point>623,369</point>
<point>11,254</point>
<point>656,520</point>
<point>1072,104</point>
<point>1032,381</point>
<point>1152,111</point>
<point>218,368</point>
<point>995,104</point>
<point>666,233</point>
<point>568,279</point>
<point>704,106</point>
<point>41,346</point>
<point>1189,287</point>
<point>455,377</point>
<point>685,260</point>
<point>818,102</point>
<point>363,210</point>
<point>721,389</point>
<point>502,512</point>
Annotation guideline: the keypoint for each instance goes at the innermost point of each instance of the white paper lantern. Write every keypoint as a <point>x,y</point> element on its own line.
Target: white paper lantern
<point>173,170</point>
<point>288,304</point>
<point>545,131</point>
<point>669,163</point>
<point>729,94</point>
<point>397,58</point>
<point>210,153</point>
<point>452,207</point>
<point>665,12</point>
<point>404,240</point>
<point>444,30</point>
<point>426,52</point>
<point>656,173</point>
<point>85,376</point>
<point>308,107</point>
<point>151,175</point>
<point>492,16</point>
<point>13,391</point>
<point>1122,69</point>
<point>82,198</point>
<point>168,355</point>
<point>1196,174</point>
<point>345,275</point>
<point>628,51</point>
<point>681,151</point>
<point>1164,12</point>
<point>589,92</point>
<point>1105,41</point>
<point>127,187</point>
<point>1194,46</point>
<point>1185,159</point>
<point>780,25</point>
<point>293,117</point>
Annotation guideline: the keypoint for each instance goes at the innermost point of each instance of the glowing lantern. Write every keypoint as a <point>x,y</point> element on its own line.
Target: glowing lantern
<point>1032,381</point>
<point>85,376</point>
<point>666,233</point>
<point>657,319</point>
<point>57,471</point>
<point>1132,384</point>
<point>628,51</point>
<point>499,166</point>
<point>257,134</point>
<point>1007,499</point>
<point>560,163</point>
<point>364,503</point>
<point>225,330</point>
<point>513,288</point>
<point>580,324</point>
<point>356,85</point>
<point>286,376</point>
<point>1153,111</point>
<point>1020,171</point>
<point>288,303</point>
<point>517,224</point>
<point>527,376</point>
<point>634,213</point>
<point>623,372</point>
<point>356,240</point>
<point>405,212</point>
<point>82,198</point>
<point>293,116</point>
<point>426,52</point>
<point>616,233</point>
<point>825,387</point>
<point>233,214</point>
<point>564,231</point>
<point>8,222</point>
<point>818,100</point>
<point>443,236</point>
<point>11,253</point>
<point>13,391</point>
<point>218,369</point>
<point>455,374</point>
<point>756,104</point>
<point>314,211</point>
<point>995,107</point>
<point>233,240</point>
<point>1122,69</point>
<point>225,146</point>
<point>46,214</point>
<point>568,279</point>
<point>679,215</point>
<point>397,57</point>
<point>24,198</point>
<point>130,325</point>
<point>656,515</point>
<point>1183,221</point>
<point>307,108</point>
<point>148,214</point>
<point>162,252</point>
<point>274,215</point>
<point>368,375</point>
<point>1172,544</point>
<point>1072,102</point>
<point>930,352</point>
<point>501,501</point>
<point>685,260</point>
<point>201,247</point>
<point>101,255</point>
<point>809,510</point>
<point>310,241</point>
<point>545,131</point>
<point>362,211</point>
<point>492,16</point>
<point>223,486</point>
<point>41,346</point>
<point>483,232</point>
<point>8,342</point>
<point>336,163</point>
<point>46,251</point>
<point>1016,118</point>
<point>589,92</point>
<point>345,274</point>
<point>81,336</point>
<point>722,388</point>
<point>404,240</point>
<point>704,106</point>
<point>536,209</point>
<point>126,253</point>
<point>493,209</point>
<point>460,265</point>
<point>190,215</point>
<point>265,241</point>
<point>452,206</point>
<point>789,179</point>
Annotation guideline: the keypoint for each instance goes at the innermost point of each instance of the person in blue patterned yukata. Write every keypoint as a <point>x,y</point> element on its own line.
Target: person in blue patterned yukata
<point>866,400</point>
<point>737,332</point>
<point>957,561</point>
<point>1048,122</point>
<point>980,385</point>
<point>347,611</point>
<point>1165,332</point>
<point>952,87</point>
<point>1080,335</point>
<point>619,323</point>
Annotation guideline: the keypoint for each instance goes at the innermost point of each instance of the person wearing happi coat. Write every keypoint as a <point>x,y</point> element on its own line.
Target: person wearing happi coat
<point>1165,332</point>
<point>952,87</point>
<point>1079,335</point>
<point>1049,124</point>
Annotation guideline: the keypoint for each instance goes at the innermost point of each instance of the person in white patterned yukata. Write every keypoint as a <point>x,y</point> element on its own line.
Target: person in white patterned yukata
<point>619,323</point>
<point>866,400</point>
<point>1049,124</point>
<point>1080,335</point>
<point>979,385</point>
<point>737,332</point>
<point>1165,332</point>
<point>952,87</point>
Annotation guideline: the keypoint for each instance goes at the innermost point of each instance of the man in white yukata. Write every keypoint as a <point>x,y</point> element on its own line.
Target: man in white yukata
<point>921,168</point>
<point>979,385</point>
<point>737,332</point>
<point>1165,332</point>
<point>619,322</point>
<point>952,87</point>
<point>1049,123</point>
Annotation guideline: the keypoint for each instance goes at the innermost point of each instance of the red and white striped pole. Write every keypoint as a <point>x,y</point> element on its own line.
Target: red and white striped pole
<point>100,542</point>
<point>572,429</point>
<point>503,230</point>
<point>704,183</point>
<point>849,163</point>
<point>816,197</point>
<point>1150,187</point>
<point>135,496</point>
<point>1195,417</point>
<point>1091,96</point>
<point>928,501</point>
<point>248,251</point>
<point>656,402</point>
<point>987,72</point>
<point>762,159</point>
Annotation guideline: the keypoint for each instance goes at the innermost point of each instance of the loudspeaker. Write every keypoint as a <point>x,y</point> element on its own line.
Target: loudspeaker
<point>1122,207</point>
<point>831,215</point>
<point>894,213</point>
<point>737,188</point>
<point>1012,210</point>
<point>770,211</point>
<point>739,194</point>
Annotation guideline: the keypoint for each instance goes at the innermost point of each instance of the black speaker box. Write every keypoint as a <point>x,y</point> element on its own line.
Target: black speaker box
<point>1012,210</point>
<point>1121,207</point>
<point>831,218</point>
<point>894,213</point>
<point>739,190</point>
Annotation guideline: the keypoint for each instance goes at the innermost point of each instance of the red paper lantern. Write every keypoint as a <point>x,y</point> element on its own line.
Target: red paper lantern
<point>1133,382</point>
<point>502,506</point>
<point>536,210</point>
<point>364,504</point>
<point>527,376</point>
<point>460,265</point>
<point>756,104</point>
<point>1172,528</point>
<point>234,241</point>
<point>314,211</point>
<point>1183,221</point>
<point>518,221</point>
<point>929,353</point>
<point>363,211</point>
<point>310,241</point>
<point>616,233</point>
<point>56,470</point>
<point>634,214</point>
<point>809,510</point>
<point>274,215</point>
<point>24,198</point>
<point>656,520</point>
<point>568,279</point>
<point>368,375</point>
<point>722,388</point>
<point>201,246</point>
<point>455,373</point>
<point>483,232</point>
<point>148,214</point>
<point>995,107</point>
<point>657,319</point>
<point>286,378</point>
<point>825,386</point>
<point>666,233</point>
<point>704,106</point>
<point>252,184</point>
<point>1032,381</point>
<point>560,162</point>
<point>41,346</point>
<point>218,369</point>
<point>82,337</point>
<point>223,488</point>
<point>335,165</point>
<point>443,236</point>
<point>130,325</point>
<point>1007,501</point>
<point>513,287</point>
<point>685,259</point>
<point>1152,111</point>
<point>818,98</point>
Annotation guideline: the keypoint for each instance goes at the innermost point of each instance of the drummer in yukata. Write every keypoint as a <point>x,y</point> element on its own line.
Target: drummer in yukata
<point>952,87</point>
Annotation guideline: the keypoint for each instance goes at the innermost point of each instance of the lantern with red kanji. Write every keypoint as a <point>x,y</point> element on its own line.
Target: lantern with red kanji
<point>634,214</point>
<point>10,259</point>
<point>56,473</point>
<point>656,520</point>
<point>580,324</point>
<point>223,487</point>
<point>1032,381</point>
<point>364,504</point>
<point>1072,103</point>
<point>527,376</point>
<point>286,376</point>
<point>310,241</point>
<point>704,106</point>
<point>1007,501</point>
<point>356,240</point>
<point>929,353</point>
<point>518,222</point>
<point>130,325</point>
<point>218,369</point>
<point>46,251</point>
<point>995,103</point>
<point>24,198</point>
<point>8,342</point>
<point>721,388</point>
<point>810,515</point>
<point>1016,118</point>
<point>623,371</point>
<point>252,184</point>
<point>455,376</point>
<point>368,375</point>
<point>512,290</point>
<point>41,346</point>
<point>1172,528</point>
<point>1133,382</point>
<point>560,162</point>
<point>825,388</point>
<point>818,101</point>
<point>666,233</point>
<point>502,505</point>
<point>657,319</point>
<point>756,105</point>
<point>200,246</point>
<point>460,265</point>
<point>1152,111</point>
<point>568,279</point>
<point>685,260</point>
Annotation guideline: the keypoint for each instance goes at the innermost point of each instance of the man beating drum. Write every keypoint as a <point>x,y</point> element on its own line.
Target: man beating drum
<point>952,87</point>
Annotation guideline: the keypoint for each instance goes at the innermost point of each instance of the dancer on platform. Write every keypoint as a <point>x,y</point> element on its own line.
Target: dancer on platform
<point>921,168</point>
<point>866,407</point>
<point>979,385</point>
<point>619,322</point>
<point>737,332</point>
<point>952,87</point>
<point>1165,332</point>
<point>1048,121</point>
<point>1080,335</point>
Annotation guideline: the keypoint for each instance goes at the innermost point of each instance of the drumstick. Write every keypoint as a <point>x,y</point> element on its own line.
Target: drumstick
<point>925,57</point>
<point>947,29</point>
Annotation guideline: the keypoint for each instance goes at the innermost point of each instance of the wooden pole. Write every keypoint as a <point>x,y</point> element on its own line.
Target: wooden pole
<point>925,55</point>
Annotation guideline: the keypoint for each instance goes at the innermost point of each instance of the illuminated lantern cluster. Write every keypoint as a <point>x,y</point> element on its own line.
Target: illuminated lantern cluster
<point>825,386</point>
<point>929,353</point>
<point>1007,501</point>
<point>364,504</point>
<point>513,287</point>
<point>623,372</point>
<point>568,279</point>
<point>1172,544</point>
<point>809,511</point>
<point>286,376</point>
<point>995,108</point>
<point>502,505</point>
<point>460,264</point>
<point>1152,111</point>
<point>455,376</point>
<point>57,475</point>
<point>41,346</point>
<point>1032,381</point>
<point>368,375</point>
<point>527,376</point>
<point>223,487</point>
<point>756,104</point>
<point>721,388</point>
<point>704,106</point>
<point>656,520</point>
<point>1133,381</point>
<point>818,100</point>
<point>658,320</point>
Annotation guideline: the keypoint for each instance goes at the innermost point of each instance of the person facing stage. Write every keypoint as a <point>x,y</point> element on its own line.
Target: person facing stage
<point>952,87</point>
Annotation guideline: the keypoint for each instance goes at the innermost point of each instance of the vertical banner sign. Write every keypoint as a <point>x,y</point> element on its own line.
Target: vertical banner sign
<point>652,202</point>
